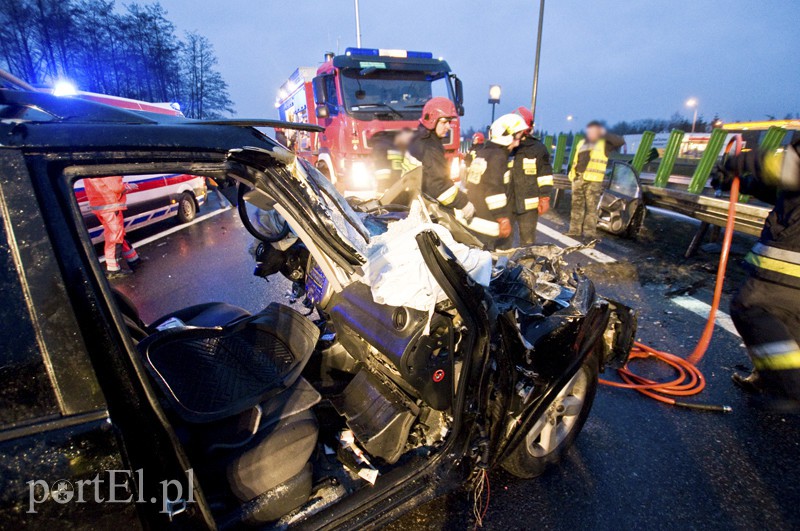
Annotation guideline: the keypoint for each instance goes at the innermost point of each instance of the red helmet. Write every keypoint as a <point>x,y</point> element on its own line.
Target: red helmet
<point>526,115</point>
<point>435,109</point>
<point>478,139</point>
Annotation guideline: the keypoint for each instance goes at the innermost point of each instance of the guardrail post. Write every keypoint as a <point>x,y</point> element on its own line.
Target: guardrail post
<point>668,160</point>
<point>643,151</point>
<point>707,161</point>
<point>548,143</point>
<point>573,151</point>
<point>558,158</point>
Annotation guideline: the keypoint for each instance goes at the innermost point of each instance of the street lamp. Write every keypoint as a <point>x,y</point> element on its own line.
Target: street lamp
<point>692,102</point>
<point>494,97</point>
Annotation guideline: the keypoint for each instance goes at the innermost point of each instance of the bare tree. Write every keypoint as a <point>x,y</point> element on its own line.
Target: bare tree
<point>205,92</point>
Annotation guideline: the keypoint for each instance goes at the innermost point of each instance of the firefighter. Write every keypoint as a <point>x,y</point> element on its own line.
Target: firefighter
<point>487,179</point>
<point>766,311</point>
<point>427,150</point>
<point>478,141</point>
<point>388,152</point>
<point>587,174</point>
<point>531,182</point>
<point>107,199</point>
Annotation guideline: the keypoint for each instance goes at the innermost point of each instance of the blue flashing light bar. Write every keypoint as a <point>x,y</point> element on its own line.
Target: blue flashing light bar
<point>375,52</point>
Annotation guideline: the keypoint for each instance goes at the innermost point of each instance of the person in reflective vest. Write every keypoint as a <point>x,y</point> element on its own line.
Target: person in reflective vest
<point>107,200</point>
<point>388,152</point>
<point>531,182</point>
<point>766,310</point>
<point>487,180</point>
<point>587,174</point>
<point>427,150</point>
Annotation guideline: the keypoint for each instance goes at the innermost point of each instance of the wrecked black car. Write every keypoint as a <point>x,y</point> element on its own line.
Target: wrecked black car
<point>417,363</point>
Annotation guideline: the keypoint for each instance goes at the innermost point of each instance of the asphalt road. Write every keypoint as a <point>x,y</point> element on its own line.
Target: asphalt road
<point>638,464</point>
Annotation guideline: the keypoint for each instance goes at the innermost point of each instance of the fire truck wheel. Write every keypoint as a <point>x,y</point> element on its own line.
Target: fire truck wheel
<point>187,208</point>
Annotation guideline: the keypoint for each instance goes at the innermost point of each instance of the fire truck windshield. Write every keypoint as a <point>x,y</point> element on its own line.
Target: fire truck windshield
<point>393,94</point>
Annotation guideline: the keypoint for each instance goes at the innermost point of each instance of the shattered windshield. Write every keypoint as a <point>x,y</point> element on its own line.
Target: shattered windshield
<point>400,94</point>
<point>342,215</point>
<point>312,191</point>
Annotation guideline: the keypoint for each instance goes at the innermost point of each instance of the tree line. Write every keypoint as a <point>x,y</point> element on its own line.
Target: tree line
<point>132,52</point>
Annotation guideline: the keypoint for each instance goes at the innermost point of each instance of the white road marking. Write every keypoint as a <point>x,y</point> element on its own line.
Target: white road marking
<point>695,306</point>
<point>702,309</point>
<point>594,254</point>
<point>173,230</point>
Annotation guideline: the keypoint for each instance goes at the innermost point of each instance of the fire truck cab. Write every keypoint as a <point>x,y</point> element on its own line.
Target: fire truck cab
<point>357,97</point>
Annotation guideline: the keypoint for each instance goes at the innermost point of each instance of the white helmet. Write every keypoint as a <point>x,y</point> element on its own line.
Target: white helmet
<point>504,128</point>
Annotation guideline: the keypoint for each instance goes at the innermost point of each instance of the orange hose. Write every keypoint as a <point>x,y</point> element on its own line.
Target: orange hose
<point>689,380</point>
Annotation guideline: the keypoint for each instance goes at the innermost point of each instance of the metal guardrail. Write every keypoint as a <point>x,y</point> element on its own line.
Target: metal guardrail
<point>749,218</point>
<point>681,194</point>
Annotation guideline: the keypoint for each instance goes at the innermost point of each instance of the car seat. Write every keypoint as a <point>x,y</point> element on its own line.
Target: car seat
<point>230,383</point>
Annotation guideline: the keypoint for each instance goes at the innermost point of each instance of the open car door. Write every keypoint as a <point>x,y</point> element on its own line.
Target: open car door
<point>621,210</point>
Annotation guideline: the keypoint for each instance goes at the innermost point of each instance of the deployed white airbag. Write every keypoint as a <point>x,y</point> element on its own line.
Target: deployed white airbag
<point>396,271</point>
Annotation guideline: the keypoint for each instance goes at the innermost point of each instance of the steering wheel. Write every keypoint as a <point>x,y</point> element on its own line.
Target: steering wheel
<point>256,227</point>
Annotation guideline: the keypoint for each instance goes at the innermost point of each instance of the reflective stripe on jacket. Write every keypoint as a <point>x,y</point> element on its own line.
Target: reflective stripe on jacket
<point>105,193</point>
<point>774,264</point>
<point>598,160</point>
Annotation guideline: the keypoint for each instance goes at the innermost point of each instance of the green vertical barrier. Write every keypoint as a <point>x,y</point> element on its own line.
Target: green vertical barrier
<point>643,151</point>
<point>668,160</point>
<point>772,139</point>
<point>558,158</point>
<point>707,161</point>
<point>548,143</point>
<point>573,152</point>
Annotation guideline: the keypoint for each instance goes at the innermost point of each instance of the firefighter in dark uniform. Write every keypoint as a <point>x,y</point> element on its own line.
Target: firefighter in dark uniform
<point>531,182</point>
<point>487,180</point>
<point>427,150</point>
<point>766,311</point>
<point>478,141</point>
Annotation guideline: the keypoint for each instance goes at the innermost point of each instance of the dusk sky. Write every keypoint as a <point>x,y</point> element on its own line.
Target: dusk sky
<point>605,59</point>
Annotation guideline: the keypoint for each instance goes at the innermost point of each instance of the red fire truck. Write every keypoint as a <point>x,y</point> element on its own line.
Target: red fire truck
<point>356,96</point>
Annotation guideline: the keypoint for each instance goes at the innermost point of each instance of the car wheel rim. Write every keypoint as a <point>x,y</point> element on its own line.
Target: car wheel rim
<point>560,418</point>
<point>186,208</point>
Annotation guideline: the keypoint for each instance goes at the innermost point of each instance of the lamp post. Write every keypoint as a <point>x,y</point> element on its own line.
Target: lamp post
<point>494,97</point>
<point>536,61</point>
<point>358,26</point>
<point>692,102</point>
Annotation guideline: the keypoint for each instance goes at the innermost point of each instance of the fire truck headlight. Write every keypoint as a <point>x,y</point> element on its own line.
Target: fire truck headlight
<point>360,176</point>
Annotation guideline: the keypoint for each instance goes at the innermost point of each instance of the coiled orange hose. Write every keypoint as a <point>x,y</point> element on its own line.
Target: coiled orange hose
<point>689,380</point>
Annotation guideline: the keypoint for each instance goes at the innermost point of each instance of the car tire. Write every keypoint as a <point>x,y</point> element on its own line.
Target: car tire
<point>187,208</point>
<point>535,454</point>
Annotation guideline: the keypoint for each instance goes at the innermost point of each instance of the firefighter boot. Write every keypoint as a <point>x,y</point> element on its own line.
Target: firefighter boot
<point>751,383</point>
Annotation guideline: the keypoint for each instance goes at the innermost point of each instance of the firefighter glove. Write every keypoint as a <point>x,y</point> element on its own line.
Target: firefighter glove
<point>505,227</point>
<point>468,212</point>
<point>544,205</point>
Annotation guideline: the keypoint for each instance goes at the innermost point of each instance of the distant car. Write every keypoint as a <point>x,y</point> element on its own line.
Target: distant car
<point>158,197</point>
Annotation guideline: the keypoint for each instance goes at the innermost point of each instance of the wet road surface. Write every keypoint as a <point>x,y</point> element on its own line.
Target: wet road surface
<point>638,464</point>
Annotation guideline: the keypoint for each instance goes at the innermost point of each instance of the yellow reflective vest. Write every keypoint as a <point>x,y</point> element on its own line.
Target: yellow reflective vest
<point>598,160</point>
